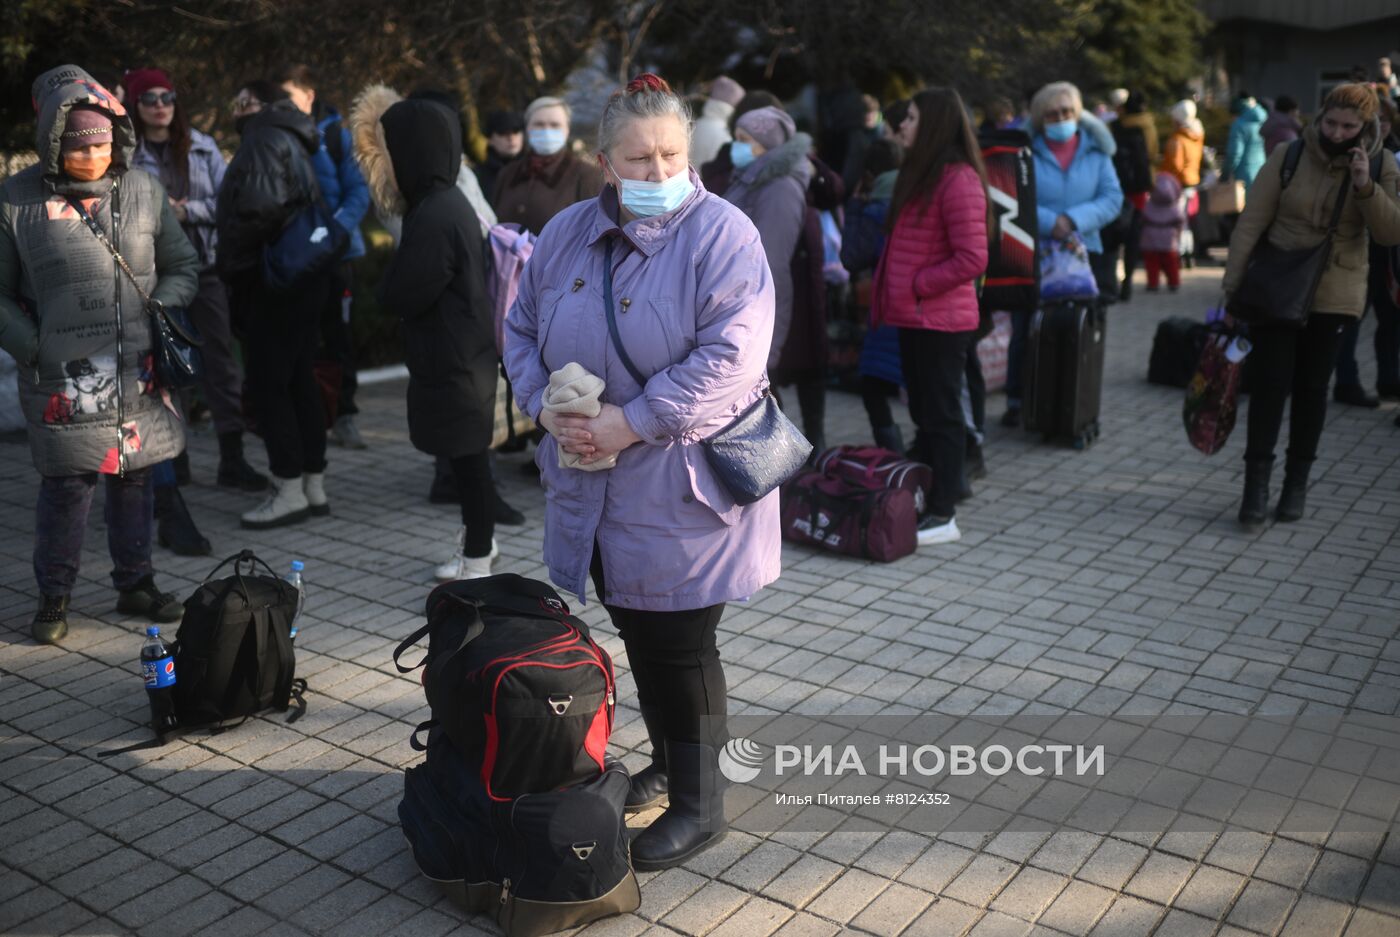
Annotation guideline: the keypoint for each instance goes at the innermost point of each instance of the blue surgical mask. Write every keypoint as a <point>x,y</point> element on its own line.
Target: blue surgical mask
<point>1061,130</point>
<point>645,199</point>
<point>547,141</point>
<point>741,153</point>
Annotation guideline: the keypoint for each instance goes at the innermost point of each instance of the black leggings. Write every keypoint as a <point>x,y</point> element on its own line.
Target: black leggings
<point>875,393</point>
<point>1295,362</point>
<point>675,664</point>
<point>477,495</point>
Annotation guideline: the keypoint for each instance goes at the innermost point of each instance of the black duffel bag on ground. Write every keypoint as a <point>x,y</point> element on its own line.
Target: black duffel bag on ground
<point>1176,348</point>
<point>516,682</point>
<point>540,863</point>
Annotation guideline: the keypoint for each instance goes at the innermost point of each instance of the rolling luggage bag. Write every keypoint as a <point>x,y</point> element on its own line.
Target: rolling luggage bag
<point>1064,371</point>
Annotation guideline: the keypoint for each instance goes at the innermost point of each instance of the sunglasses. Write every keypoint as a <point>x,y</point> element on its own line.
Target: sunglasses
<point>151,98</point>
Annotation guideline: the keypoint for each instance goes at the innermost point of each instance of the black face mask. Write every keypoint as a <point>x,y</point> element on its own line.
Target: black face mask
<point>1332,148</point>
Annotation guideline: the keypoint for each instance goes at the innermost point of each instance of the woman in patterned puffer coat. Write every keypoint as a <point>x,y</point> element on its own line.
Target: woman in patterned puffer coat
<point>77,325</point>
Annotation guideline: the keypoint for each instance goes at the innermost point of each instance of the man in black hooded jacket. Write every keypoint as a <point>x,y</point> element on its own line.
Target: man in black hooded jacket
<point>268,182</point>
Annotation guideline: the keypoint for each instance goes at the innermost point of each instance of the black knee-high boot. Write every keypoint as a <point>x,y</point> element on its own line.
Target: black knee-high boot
<point>1254,506</point>
<point>694,820</point>
<point>649,786</point>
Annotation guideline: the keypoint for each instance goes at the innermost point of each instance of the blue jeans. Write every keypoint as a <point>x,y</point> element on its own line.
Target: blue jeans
<point>61,519</point>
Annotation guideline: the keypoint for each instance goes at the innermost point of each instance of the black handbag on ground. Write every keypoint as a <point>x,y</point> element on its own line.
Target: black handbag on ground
<point>175,342</point>
<point>1279,285</point>
<point>759,449</point>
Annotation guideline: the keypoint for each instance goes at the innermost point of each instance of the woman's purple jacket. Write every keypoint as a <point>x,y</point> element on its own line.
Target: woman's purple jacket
<point>694,306</point>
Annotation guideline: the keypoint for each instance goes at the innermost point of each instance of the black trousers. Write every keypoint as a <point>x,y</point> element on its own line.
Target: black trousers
<point>280,348</point>
<point>934,366</point>
<point>476,493</point>
<point>675,664</point>
<point>337,338</point>
<point>875,393</point>
<point>1297,362</point>
<point>1387,331</point>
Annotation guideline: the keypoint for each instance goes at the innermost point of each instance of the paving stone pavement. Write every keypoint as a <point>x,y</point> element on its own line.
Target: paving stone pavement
<point>1107,581</point>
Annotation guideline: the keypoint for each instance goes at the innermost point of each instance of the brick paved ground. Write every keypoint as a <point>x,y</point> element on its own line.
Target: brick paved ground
<point>1112,580</point>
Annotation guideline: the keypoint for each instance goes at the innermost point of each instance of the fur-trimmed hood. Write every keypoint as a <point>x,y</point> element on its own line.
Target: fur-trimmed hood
<point>372,149</point>
<point>790,159</point>
<point>1098,131</point>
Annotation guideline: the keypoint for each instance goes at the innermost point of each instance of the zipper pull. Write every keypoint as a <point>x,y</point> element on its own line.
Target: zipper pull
<point>505,890</point>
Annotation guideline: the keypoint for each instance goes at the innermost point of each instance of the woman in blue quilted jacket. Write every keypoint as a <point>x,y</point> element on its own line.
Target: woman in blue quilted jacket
<point>1076,192</point>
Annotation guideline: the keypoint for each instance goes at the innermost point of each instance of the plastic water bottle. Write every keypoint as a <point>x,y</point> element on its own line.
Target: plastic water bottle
<point>294,577</point>
<point>158,672</point>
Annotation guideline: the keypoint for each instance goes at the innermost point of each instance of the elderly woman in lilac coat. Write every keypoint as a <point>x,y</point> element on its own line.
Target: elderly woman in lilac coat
<point>664,542</point>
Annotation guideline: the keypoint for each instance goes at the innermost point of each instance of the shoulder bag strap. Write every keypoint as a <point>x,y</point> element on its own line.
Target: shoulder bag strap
<point>1337,208</point>
<point>612,316</point>
<point>1291,158</point>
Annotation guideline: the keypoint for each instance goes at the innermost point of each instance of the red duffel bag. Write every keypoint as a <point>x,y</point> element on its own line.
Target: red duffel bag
<point>873,467</point>
<point>850,518</point>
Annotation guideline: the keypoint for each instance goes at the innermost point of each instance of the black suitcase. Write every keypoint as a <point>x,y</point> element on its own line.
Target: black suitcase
<point>1064,371</point>
<point>1176,348</point>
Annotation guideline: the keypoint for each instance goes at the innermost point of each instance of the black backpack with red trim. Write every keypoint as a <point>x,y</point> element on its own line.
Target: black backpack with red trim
<point>516,682</point>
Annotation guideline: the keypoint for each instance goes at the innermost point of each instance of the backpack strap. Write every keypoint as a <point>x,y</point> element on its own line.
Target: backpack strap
<point>1291,158</point>
<point>413,742</point>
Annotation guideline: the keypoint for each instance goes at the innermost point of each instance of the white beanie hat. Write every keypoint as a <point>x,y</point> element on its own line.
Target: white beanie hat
<point>1184,111</point>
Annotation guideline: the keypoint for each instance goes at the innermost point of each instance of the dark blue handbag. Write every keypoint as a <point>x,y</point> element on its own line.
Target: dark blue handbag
<point>759,449</point>
<point>307,247</point>
<point>174,339</point>
<point>175,346</point>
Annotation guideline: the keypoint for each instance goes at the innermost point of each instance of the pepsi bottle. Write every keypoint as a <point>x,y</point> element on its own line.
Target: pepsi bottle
<point>158,671</point>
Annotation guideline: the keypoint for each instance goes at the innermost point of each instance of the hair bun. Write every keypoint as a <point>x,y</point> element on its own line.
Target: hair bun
<point>647,81</point>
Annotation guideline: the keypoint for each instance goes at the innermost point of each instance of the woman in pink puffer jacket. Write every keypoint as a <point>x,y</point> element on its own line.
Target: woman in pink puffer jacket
<point>926,285</point>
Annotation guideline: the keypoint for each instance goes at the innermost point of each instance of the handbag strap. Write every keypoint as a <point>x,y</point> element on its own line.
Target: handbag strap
<point>1337,208</point>
<point>612,317</point>
<point>106,242</point>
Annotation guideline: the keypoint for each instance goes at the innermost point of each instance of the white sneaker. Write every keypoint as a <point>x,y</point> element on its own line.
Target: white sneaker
<point>466,567</point>
<point>313,485</point>
<point>286,505</point>
<point>937,530</point>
